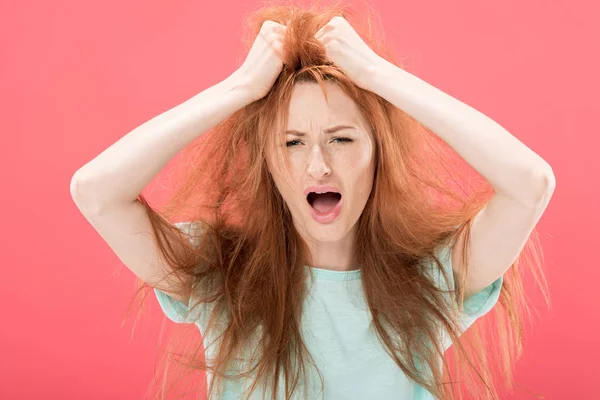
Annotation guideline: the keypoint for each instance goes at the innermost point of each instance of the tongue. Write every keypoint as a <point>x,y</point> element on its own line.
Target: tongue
<point>325,202</point>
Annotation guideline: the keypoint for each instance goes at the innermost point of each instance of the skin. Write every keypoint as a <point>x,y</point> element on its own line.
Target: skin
<point>321,158</point>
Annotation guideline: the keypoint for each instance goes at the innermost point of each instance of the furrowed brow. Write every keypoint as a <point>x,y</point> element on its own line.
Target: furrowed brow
<point>327,131</point>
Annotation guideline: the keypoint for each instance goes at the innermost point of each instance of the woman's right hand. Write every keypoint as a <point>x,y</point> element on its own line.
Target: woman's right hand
<point>264,61</point>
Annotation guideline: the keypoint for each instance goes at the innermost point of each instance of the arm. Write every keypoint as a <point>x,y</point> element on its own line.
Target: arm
<point>105,189</point>
<point>120,173</point>
<point>523,182</point>
<point>507,164</point>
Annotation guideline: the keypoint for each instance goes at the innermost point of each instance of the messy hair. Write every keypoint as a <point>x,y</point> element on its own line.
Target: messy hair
<point>247,259</point>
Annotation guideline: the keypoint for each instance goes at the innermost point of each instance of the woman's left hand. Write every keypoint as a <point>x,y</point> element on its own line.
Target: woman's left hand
<point>345,48</point>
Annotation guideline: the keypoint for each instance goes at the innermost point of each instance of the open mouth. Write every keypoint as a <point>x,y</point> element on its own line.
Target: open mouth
<point>323,202</point>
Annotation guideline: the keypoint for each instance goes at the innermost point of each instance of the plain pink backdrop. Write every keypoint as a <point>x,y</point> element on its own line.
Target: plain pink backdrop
<point>76,76</point>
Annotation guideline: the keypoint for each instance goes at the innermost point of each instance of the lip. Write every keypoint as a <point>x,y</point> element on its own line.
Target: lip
<point>321,188</point>
<point>324,218</point>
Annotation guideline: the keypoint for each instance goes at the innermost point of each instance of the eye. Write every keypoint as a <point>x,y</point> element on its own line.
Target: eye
<point>290,143</point>
<point>344,139</point>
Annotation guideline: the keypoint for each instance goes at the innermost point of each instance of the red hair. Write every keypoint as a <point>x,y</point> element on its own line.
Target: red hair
<point>248,260</point>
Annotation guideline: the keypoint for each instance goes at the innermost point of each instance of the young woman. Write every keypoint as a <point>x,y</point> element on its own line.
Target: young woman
<point>328,248</point>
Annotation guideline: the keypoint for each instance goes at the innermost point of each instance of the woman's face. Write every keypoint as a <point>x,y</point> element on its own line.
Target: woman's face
<point>341,158</point>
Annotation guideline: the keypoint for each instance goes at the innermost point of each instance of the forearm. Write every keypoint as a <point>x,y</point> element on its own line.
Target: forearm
<point>507,164</point>
<point>120,172</point>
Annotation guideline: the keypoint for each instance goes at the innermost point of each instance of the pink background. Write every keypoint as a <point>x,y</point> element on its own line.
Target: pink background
<point>76,76</point>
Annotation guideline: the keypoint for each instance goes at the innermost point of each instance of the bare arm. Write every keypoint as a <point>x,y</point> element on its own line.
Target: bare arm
<point>105,189</point>
<point>120,173</point>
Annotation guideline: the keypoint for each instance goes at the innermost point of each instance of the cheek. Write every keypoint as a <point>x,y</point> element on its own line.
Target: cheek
<point>360,159</point>
<point>362,167</point>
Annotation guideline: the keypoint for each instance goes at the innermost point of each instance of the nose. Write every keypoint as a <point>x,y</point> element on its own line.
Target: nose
<point>317,166</point>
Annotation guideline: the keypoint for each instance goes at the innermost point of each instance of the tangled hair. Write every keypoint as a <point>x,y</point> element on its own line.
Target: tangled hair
<point>247,259</point>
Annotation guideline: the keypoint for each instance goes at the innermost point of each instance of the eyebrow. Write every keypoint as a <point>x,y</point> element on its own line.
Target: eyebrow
<point>327,131</point>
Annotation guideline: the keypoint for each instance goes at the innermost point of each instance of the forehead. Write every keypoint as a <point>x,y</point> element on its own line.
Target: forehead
<point>309,110</point>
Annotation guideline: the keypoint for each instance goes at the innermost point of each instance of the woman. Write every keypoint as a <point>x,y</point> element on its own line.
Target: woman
<point>320,256</point>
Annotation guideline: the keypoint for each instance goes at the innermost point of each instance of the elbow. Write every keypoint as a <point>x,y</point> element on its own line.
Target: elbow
<point>82,196</point>
<point>543,184</point>
<point>75,186</point>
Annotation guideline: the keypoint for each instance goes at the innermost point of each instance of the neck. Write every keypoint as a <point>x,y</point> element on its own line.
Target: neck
<point>333,255</point>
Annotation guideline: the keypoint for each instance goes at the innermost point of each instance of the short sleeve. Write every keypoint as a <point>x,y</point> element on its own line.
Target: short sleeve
<point>479,303</point>
<point>175,310</point>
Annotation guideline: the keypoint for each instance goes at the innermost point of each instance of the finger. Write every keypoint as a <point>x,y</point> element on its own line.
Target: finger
<point>278,48</point>
<point>273,37</point>
<point>321,32</point>
<point>324,28</point>
<point>318,34</point>
<point>325,38</point>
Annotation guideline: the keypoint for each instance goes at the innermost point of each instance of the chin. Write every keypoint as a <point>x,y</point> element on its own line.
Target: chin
<point>331,232</point>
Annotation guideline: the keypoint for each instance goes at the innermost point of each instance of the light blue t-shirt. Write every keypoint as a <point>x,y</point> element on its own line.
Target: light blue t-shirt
<point>336,330</point>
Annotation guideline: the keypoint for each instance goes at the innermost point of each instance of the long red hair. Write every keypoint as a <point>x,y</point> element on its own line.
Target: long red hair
<point>248,260</point>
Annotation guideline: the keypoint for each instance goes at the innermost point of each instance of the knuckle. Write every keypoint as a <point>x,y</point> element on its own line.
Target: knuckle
<point>271,37</point>
<point>334,44</point>
<point>267,26</point>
